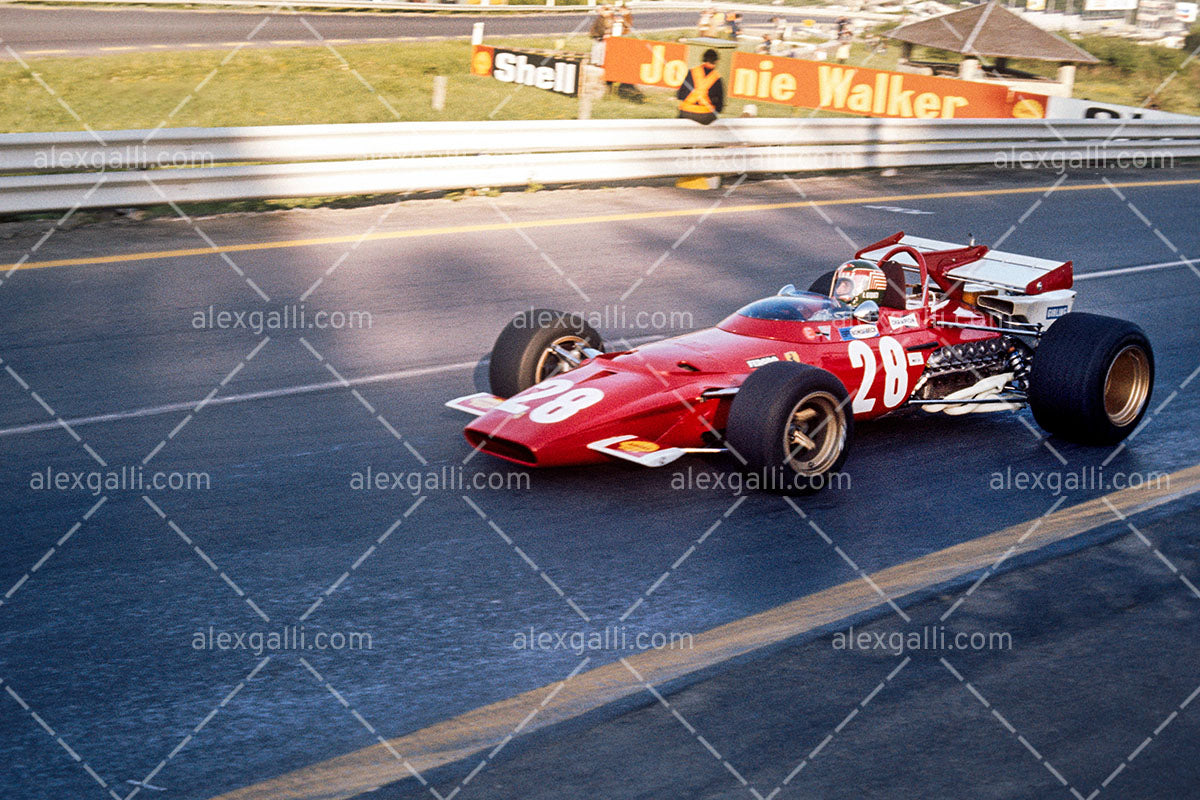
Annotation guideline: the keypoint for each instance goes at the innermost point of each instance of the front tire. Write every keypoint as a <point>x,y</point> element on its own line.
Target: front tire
<point>792,425</point>
<point>523,354</point>
<point>1092,378</point>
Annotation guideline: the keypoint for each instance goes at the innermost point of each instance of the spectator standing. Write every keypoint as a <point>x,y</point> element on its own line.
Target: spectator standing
<point>734,20</point>
<point>601,27</point>
<point>844,34</point>
<point>715,23</point>
<point>625,14</point>
<point>702,95</point>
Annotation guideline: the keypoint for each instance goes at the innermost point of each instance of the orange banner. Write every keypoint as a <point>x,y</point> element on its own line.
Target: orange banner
<point>822,85</point>
<point>875,92</point>
<point>645,62</point>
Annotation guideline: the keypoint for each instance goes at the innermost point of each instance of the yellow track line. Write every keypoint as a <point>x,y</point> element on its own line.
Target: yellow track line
<point>558,222</point>
<point>483,728</point>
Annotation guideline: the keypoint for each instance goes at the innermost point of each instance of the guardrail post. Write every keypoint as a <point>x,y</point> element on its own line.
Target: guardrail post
<point>439,92</point>
<point>591,87</point>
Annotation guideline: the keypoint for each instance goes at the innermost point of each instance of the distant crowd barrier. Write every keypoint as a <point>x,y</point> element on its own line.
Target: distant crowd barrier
<point>53,171</point>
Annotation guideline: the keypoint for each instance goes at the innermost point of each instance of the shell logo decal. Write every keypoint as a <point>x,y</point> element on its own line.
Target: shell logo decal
<point>481,63</point>
<point>637,446</point>
<point>1028,108</point>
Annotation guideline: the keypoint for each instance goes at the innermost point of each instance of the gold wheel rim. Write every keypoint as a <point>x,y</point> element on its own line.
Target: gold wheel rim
<point>550,364</point>
<point>815,434</point>
<point>1127,385</point>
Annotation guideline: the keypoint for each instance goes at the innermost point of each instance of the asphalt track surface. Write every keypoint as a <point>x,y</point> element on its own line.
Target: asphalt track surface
<point>1094,697</point>
<point>34,31</point>
<point>98,637</point>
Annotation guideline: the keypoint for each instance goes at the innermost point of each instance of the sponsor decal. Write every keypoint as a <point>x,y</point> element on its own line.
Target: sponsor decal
<point>637,446</point>
<point>755,363</point>
<point>791,355</point>
<point>554,73</point>
<point>1054,312</point>
<point>484,403</point>
<point>916,359</point>
<point>478,404</point>
<point>858,332</point>
<point>812,334</point>
<point>904,323</point>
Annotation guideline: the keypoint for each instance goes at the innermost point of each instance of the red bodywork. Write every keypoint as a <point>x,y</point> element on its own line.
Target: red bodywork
<point>656,391</point>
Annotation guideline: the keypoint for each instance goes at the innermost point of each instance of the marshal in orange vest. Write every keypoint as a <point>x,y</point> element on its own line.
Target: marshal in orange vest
<point>702,94</point>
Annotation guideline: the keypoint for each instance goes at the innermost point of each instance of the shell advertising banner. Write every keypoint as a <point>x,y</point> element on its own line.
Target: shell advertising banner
<point>826,86</point>
<point>549,71</point>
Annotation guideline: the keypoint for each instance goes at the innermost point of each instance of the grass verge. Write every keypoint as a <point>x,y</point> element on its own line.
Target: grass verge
<point>300,85</point>
<point>288,85</point>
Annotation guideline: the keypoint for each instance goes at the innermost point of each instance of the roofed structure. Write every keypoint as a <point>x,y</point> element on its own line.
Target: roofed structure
<point>990,29</point>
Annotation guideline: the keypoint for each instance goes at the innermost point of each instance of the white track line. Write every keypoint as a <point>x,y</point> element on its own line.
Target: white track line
<point>172,408</point>
<point>266,394</point>
<point>1108,273</point>
<point>288,391</point>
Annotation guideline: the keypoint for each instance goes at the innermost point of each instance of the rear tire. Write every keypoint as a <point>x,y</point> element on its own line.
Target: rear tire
<point>1092,378</point>
<point>824,284</point>
<point>791,423</point>
<point>522,356</point>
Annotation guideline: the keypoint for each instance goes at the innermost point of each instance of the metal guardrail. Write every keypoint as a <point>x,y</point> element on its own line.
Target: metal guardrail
<point>133,168</point>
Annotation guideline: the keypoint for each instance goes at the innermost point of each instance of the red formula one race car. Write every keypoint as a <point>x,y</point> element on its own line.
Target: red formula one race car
<point>779,384</point>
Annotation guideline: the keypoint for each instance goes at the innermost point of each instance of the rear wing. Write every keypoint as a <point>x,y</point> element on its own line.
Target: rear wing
<point>951,264</point>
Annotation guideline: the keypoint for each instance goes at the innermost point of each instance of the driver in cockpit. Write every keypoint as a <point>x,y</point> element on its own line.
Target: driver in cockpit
<point>858,281</point>
<point>855,282</point>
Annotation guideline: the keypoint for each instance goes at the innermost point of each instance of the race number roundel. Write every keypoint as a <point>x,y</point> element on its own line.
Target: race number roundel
<point>565,405</point>
<point>895,374</point>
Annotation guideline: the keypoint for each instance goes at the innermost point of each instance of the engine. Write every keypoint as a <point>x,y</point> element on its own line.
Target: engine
<point>960,366</point>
